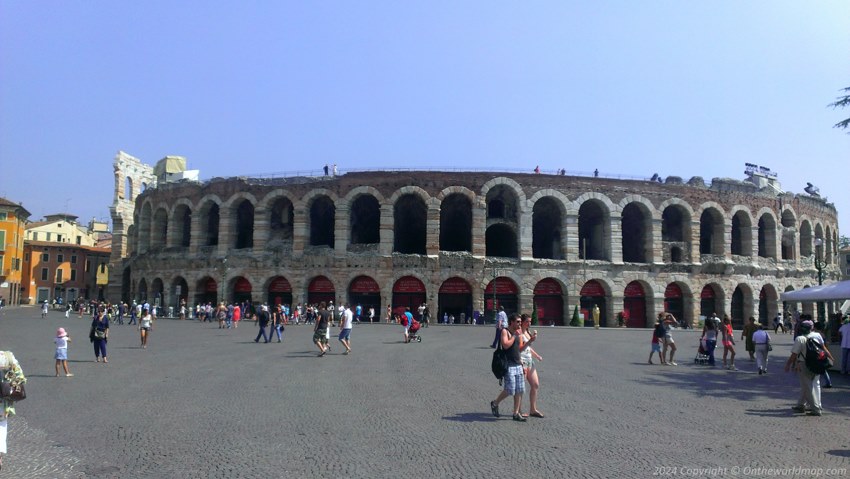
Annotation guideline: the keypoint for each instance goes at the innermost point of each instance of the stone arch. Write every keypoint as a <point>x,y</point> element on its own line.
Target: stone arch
<point>321,219</point>
<point>500,240</point>
<point>806,238</point>
<point>711,229</point>
<point>128,189</point>
<point>504,201</point>
<point>362,190</point>
<point>788,240</point>
<point>679,301</point>
<point>827,246</point>
<point>410,223</point>
<point>636,219</point>
<point>741,306</point>
<point>159,228</point>
<point>410,190</point>
<point>712,300</point>
<point>456,220</point>
<point>509,183</point>
<point>548,218</point>
<point>676,218</point>
<point>364,217</point>
<point>209,220</point>
<point>280,214</point>
<point>742,231</point>
<point>768,303</point>
<point>181,224</point>
<point>242,214</point>
<point>767,227</point>
<point>145,223</point>
<point>594,228</point>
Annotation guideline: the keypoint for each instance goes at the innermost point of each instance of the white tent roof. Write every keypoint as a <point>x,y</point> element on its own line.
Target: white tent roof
<point>828,292</point>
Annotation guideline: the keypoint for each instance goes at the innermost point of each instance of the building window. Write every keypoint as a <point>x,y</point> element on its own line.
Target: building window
<point>88,265</point>
<point>73,259</point>
<point>48,236</point>
<point>44,274</point>
<point>2,241</point>
<point>45,257</point>
<point>1,264</point>
<point>59,238</point>
<point>58,275</point>
<point>4,216</point>
<point>26,256</point>
<point>73,275</point>
<point>35,235</point>
<point>79,240</point>
<point>60,258</point>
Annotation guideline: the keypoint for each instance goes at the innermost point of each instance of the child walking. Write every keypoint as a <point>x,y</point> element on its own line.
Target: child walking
<point>657,335</point>
<point>62,339</point>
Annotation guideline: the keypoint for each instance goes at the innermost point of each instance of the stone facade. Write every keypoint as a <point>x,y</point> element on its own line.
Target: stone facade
<point>555,241</point>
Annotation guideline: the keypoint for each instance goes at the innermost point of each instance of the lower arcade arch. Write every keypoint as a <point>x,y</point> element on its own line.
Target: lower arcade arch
<point>455,299</point>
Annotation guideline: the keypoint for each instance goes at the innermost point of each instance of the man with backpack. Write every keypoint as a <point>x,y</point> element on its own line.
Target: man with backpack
<point>810,359</point>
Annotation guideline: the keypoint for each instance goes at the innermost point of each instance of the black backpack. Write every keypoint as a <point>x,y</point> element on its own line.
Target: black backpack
<point>817,361</point>
<point>499,364</point>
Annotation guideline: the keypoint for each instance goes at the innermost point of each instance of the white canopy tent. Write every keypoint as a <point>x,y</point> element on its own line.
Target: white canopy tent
<point>827,292</point>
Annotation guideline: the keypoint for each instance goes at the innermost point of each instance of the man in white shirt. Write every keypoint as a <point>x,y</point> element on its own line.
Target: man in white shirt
<point>501,323</point>
<point>809,381</point>
<point>346,321</point>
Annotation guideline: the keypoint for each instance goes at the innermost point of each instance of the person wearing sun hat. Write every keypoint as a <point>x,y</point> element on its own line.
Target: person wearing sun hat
<point>62,339</point>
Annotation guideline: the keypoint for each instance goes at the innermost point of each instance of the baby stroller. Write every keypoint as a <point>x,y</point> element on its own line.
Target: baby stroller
<point>702,356</point>
<point>412,332</point>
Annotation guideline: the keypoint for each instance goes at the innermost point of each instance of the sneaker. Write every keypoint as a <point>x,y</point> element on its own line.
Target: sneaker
<point>671,363</point>
<point>798,408</point>
<point>69,375</point>
<point>732,368</point>
<point>761,372</point>
<point>814,412</point>
<point>494,408</point>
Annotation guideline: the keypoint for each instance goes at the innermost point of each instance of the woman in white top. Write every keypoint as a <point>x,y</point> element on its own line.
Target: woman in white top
<point>145,327</point>
<point>527,357</point>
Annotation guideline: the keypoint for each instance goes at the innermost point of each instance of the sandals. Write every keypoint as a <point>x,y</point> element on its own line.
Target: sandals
<point>537,414</point>
<point>519,418</point>
<point>494,408</point>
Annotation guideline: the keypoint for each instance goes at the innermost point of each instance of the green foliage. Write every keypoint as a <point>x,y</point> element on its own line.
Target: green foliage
<point>576,321</point>
<point>841,102</point>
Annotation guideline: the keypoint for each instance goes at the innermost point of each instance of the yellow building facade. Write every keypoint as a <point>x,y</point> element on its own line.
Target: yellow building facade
<point>13,219</point>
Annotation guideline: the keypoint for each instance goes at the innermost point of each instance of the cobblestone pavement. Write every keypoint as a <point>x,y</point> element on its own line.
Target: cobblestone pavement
<point>202,402</point>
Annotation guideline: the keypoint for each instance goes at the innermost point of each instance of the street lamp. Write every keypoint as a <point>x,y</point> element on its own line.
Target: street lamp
<point>819,266</point>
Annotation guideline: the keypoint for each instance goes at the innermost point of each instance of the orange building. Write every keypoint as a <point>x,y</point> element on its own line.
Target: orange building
<point>63,272</point>
<point>13,218</point>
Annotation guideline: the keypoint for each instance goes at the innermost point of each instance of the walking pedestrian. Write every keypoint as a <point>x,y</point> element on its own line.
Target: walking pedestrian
<point>761,341</point>
<point>747,334</point>
<point>277,323</point>
<point>345,325</point>
<point>709,334</point>
<point>728,343</point>
<point>527,356</point>
<point>99,334</point>
<point>263,321</point>
<point>321,329</point>
<point>145,328</point>
<point>61,340</point>
<point>667,322</point>
<point>44,309</point>
<point>809,382</point>
<point>501,323</point>
<point>827,382</point>
<point>9,368</point>
<point>514,380</point>
<point>657,338</point>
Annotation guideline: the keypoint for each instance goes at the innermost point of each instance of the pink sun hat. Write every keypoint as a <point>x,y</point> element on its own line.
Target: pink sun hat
<point>60,333</point>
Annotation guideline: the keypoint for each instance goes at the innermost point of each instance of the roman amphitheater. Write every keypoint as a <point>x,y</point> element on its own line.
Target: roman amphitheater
<point>463,242</point>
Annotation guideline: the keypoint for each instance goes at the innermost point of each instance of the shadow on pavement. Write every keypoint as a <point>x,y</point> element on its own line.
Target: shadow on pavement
<point>472,417</point>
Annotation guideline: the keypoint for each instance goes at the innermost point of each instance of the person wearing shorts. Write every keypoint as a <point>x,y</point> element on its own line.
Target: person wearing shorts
<point>668,320</point>
<point>320,331</point>
<point>345,324</point>
<point>514,380</point>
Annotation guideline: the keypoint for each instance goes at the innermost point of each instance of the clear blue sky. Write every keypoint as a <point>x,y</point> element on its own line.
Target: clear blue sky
<point>240,88</point>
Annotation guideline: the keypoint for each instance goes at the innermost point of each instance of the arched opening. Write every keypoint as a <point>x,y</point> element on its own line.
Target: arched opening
<point>281,220</point>
<point>241,290</point>
<point>676,255</point>
<point>279,292</point>
<point>768,304</point>
<point>145,220</point>
<point>178,294</point>
<point>364,292</point>
<point>711,301</point>
<point>502,204</point>
<point>546,226</point>
<point>160,229</point>
<point>742,305</point>
<point>806,240</point>
<point>209,221</point>
<point>408,292</point>
<point>244,216</point>
<point>455,299</point>
<point>592,296</point>
<point>128,189</point>
<point>322,222</point>
<point>673,224</point>
<point>143,290</point>
<point>411,219</point>
<point>742,234</point>
<point>126,286</point>
<point>636,225</point>
<point>828,246</point>
<point>634,304</point>
<point>711,232</point>
<point>789,240</point>
<point>593,230</point>
<point>767,236</point>
<point>365,220</point>
<point>456,223</point>
<point>156,294</point>
<point>549,301</point>
<point>500,241</point>
<point>674,303</point>
<point>206,291</point>
<point>182,225</point>
<point>320,289</point>
<point>501,292</point>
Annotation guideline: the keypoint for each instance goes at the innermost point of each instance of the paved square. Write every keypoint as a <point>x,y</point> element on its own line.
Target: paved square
<point>203,402</point>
